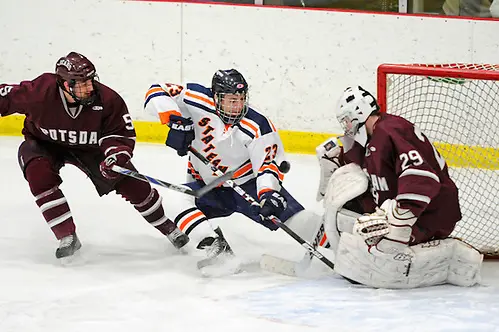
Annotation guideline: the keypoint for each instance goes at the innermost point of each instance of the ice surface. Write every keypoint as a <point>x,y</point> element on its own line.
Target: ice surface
<point>131,278</point>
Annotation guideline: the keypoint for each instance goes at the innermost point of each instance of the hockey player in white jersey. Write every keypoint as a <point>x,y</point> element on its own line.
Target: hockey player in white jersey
<point>219,123</point>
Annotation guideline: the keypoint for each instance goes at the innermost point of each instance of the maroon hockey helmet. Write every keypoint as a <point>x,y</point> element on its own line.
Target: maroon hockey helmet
<point>73,68</point>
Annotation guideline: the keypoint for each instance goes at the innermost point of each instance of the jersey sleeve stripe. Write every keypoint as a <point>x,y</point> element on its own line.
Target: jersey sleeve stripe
<point>197,98</point>
<point>263,191</point>
<point>246,131</point>
<point>153,90</point>
<point>114,136</point>
<point>414,197</point>
<point>155,94</point>
<point>261,122</point>
<point>273,173</point>
<point>164,117</point>
<point>273,169</point>
<point>195,87</point>
<point>201,106</point>
<point>419,172</point>
<point>251,126</point>
<point>243,170</point>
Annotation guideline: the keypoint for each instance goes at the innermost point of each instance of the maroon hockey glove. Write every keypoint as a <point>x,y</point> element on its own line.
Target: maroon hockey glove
<point>119,156</point>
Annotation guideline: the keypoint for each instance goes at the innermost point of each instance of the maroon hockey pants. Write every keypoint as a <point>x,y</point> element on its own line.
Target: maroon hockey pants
<point>41,163</point>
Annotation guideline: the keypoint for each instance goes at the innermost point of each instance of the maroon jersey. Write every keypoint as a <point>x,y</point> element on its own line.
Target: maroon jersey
<point>104,124</point>
<point>404,165</point>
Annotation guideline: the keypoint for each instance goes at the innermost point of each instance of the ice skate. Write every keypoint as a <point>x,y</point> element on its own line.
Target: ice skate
<point>177,238</point>
<point>68,248</point>
<point>220,257</point>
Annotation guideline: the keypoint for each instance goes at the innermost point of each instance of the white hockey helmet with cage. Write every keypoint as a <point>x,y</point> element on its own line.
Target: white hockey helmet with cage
<point>354,107</point>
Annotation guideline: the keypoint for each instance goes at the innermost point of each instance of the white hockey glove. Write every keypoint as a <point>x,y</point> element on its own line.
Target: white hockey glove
<point>388,230</point>
<point>328,155</point>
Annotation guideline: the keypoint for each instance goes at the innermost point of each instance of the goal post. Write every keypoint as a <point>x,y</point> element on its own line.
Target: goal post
<point>457,107</point>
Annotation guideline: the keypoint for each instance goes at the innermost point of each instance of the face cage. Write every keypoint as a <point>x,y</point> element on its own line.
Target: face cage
<point>350,127</point>
<point>87,100</point>
<point>229,117</point>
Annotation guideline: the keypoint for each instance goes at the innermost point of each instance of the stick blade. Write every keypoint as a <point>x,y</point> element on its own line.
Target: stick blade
<point>307,267</point>
<point>278,265</point>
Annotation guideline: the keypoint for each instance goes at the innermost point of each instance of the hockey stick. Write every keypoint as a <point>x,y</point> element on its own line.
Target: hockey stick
<point>289,267</point>
<point>180,188</point>
<point>310,248</point>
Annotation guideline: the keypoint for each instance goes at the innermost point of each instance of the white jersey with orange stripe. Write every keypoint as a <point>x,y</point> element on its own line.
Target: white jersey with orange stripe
<point>252,147</point>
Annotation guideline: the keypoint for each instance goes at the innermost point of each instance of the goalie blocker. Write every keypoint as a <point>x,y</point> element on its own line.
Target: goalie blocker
<point>354,239</point>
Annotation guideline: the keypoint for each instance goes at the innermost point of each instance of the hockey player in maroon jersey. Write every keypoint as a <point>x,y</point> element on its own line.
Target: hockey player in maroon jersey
<point>73,118</point>
<point>413,203</point>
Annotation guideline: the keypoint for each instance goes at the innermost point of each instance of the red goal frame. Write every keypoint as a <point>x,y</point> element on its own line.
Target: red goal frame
<point>453,70</point>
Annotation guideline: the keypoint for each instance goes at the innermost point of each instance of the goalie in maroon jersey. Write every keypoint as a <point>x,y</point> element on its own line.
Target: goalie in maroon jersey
<point>397,178</point>
<point>73,118</point>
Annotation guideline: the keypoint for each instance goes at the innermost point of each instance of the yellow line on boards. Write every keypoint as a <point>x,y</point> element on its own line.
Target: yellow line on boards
<point>299,142</point>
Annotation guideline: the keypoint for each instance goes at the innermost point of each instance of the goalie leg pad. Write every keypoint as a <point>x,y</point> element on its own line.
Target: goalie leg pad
<point>306,224</point>
<point>446,261</point>
<point>465,265</point>
<point>346,219</point>
<point>355,263</point>
<point>426,264</point>
<point>343,221</point>
<point>346,183</point>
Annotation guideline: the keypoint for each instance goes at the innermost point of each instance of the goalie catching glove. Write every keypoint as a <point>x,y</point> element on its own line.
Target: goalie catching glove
<point>328,155</point>
<point>388,230</point>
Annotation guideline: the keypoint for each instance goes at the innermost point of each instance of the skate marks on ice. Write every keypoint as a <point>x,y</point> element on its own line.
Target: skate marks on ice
<point>331,302</point>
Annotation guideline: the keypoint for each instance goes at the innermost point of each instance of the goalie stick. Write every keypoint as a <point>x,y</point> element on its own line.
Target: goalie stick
<point>309,247</point>
<point>180,188</point>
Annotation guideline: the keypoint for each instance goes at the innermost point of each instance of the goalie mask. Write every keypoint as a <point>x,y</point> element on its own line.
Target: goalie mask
<point>80,74</point>
<point>230,92</point>
<point>353,109</point>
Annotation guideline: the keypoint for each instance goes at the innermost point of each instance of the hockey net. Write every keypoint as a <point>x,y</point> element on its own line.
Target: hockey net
<point>457,107</point>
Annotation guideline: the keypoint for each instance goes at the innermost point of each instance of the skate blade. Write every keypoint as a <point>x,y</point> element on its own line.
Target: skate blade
<point>182,246</point>
<point>76,259</point>
<point>220,266</point>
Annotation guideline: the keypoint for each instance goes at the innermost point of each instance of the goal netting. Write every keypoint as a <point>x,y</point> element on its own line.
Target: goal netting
<point>457,107</point>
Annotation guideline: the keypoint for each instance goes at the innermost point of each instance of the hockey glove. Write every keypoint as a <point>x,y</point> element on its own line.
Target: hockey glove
<point>328,155</point>
<point>272,204</point>
<point>119,156</point>
<point>388,230</point>
<point>181,134</point>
